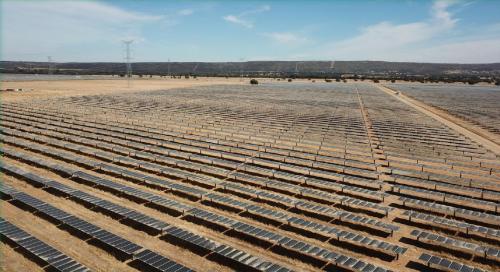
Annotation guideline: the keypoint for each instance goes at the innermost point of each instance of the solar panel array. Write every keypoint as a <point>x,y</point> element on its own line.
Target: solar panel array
<point>461,101</point>
<point>42,252</point>
<point>261,178</point>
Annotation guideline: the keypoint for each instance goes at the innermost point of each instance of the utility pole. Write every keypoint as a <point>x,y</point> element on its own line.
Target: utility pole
<point>242,62</point>
<point>51,66</point>
<point>168,68</point>
<point>297,69</point>
<point>128,58</point>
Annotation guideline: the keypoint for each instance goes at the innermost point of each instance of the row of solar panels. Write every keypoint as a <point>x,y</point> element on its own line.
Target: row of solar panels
<point>441,222</point>
<point>477,173</point>
<point>193,138</point>
<point>142,140</point>
<point>193,166</point>
<point>370,223</point>
<point>446,187</point>
<point>44,253</point>
<point>447,198</point>
<point>485,251</point>
<point>285,200</point>
<point>118,246</point>
<point>445,264</point>
<point>341,235</point>
<point>125,215</point>
<point>438,138</point>
<point>220,145</point>
<point>181,127</point>
<point>425,140</point>
<point>160,202</point>
<point>356,239</point>
<point>275,173</point>
<point>479,217</point>
<point>457,162</point>
<point>453,169</point>
<point>489,185</point>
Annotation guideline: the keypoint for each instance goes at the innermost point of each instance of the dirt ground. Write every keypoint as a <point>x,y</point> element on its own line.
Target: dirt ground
<point>43,89</point>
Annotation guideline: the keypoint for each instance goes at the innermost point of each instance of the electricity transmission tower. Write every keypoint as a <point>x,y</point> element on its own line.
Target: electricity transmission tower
<point>242,63</point>
<point>297,68</point>
<point>50,69</point>
<point>127,59</point>
<point>168,68</point>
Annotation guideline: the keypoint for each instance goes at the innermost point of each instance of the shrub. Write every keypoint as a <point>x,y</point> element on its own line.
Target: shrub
<point>393,81</point>
<point>328,80</point>
<point>254,81</point>
<point>375,81</point>
<point>289,80</point>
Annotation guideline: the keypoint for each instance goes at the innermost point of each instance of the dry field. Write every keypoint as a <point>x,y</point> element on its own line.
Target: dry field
<point>218,175</point>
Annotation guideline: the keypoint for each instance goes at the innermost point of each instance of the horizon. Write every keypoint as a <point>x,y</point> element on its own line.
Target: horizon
<point>132,62</point>
<point>437,32</point>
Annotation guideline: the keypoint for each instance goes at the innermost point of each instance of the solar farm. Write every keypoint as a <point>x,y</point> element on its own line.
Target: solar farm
<point>274,177</point>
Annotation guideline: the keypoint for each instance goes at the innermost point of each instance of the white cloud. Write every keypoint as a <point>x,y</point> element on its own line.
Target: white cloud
<point>381,39</point>
<point>237,20</point>
<point>240,18</point>
<point>286,38</point>
<point>185,12</point>
<point>415,41</point>
<point>32,30</point>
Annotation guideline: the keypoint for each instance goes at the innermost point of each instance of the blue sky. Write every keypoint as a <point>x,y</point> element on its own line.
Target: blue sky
<point>465,31</point>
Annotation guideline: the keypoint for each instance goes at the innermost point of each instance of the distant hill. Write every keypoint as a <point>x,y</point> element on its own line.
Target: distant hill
<point>257,67</point>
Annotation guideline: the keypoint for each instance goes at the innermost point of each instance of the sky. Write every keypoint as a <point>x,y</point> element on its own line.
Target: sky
<point>456,31</point>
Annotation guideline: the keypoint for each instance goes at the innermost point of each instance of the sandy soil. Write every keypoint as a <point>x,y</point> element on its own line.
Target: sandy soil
<point>43,89</point>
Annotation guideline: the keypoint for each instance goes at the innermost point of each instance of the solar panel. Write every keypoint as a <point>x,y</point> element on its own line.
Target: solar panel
<point>445,264</point>
<point>152,260</point>
<point>116,243</point>
<point>448,242</point>
<point>50,256</point>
